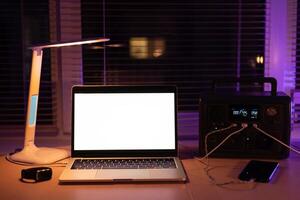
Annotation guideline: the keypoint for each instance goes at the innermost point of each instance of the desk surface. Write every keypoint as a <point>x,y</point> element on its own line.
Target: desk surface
<point>285,184</point>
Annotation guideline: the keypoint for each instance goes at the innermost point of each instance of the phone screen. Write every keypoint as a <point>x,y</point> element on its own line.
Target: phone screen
<point>259,171</point>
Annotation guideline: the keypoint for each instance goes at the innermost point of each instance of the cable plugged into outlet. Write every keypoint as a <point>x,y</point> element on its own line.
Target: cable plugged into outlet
<point>244,125</point>
<point>207,167</point>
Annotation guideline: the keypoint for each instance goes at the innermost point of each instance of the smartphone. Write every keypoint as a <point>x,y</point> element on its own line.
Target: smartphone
<point>259,171</point>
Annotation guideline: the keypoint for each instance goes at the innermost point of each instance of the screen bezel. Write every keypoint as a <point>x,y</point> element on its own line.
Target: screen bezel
<point>124,89</point>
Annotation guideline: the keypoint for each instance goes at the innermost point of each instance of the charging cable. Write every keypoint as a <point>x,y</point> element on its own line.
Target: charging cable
<point>207,154</point>
<point>213,132</point>
<point>207,167</point>
<point>272,137</point>
<point>220,130</point>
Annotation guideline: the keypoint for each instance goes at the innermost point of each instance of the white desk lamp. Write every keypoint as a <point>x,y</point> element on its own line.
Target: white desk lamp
<point>30,152</point>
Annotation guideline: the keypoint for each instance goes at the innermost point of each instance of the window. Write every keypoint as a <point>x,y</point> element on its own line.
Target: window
<point>185,43</point>
<point>23,23</point>
<point>296,44</point>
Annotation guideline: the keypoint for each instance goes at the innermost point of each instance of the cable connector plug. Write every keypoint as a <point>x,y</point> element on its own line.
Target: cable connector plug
<point>244,125</point>
<point>234,125</point>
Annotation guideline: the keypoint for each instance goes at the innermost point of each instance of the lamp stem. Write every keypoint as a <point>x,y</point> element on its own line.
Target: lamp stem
<point>35,76</point>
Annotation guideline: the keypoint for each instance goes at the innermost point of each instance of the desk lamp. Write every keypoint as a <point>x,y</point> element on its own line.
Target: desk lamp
<point>30,152</point>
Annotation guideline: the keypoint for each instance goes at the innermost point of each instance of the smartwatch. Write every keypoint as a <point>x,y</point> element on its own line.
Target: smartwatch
<point>36,174</point>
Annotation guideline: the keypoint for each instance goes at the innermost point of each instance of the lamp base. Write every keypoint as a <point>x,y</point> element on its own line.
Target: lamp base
<point>39,156</point>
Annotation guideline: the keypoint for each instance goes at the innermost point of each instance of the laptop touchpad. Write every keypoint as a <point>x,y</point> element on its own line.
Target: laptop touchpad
<point>122,174</point>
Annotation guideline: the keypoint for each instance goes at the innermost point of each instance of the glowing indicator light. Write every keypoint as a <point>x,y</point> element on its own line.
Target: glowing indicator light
<point>259,59</point>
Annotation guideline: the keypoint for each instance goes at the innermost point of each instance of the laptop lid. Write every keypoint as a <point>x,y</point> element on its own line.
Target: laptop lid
<point>124,121</point>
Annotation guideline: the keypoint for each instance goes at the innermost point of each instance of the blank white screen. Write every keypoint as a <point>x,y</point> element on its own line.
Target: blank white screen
<point>124,121</point>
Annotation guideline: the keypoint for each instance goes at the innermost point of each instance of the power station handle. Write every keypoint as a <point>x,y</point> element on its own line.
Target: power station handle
<point>270,80</point>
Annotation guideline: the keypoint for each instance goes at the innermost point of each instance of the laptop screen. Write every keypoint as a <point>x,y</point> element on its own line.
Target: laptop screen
<point>124,121</point>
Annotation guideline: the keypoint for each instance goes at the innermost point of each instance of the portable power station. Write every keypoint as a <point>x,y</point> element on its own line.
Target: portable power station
<point>222,114</point>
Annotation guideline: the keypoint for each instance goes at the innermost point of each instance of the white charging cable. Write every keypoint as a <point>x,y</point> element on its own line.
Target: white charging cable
<point>207,168</point>
<point>244,125</point>
<point>272,137</point>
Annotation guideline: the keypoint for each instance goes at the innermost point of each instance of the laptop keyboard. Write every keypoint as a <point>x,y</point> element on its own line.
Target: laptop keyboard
<point>160,163</point>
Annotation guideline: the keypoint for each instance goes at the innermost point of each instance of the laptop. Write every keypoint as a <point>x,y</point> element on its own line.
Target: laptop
<point>124,134</point>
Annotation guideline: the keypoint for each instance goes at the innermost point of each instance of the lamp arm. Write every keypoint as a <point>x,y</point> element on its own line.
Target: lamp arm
<point>35,76</point>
